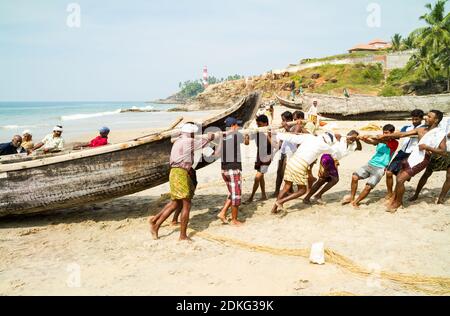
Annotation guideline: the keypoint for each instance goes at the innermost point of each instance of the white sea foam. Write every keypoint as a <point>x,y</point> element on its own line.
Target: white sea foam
<point>74,117</point>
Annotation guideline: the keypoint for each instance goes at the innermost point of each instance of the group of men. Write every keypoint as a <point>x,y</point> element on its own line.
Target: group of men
<point>51,143</point>
<point>424,148</point>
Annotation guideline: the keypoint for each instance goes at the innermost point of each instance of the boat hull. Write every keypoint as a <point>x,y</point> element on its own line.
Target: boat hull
<point>133,167</point>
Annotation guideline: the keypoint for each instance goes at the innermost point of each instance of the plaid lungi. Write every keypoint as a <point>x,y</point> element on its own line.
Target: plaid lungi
<point>233,180</point>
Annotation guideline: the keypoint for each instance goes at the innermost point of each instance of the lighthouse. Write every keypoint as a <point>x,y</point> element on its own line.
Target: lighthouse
<point>205,76</point>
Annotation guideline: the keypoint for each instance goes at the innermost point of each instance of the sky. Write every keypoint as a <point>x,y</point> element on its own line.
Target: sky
<point>139,50</point>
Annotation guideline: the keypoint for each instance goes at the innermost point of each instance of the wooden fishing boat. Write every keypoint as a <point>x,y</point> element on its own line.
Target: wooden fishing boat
<point>37,184</point>
<point>373,108</point>
<point>296,105</point>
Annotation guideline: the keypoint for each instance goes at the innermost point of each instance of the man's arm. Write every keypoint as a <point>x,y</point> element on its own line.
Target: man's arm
<point>246,139</point>
<point>369,140</point>
<point>291,138</point>
<point>37,146</point>
<point>397,135</point>
<point>441,150</point>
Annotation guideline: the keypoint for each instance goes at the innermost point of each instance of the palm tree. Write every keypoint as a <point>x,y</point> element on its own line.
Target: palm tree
<point>436,35</point>
<point>409,42</point>
<point>396,42</point>
<point>424,63</point>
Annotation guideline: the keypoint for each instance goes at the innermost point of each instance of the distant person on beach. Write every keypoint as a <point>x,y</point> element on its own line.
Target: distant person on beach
<point>287,150</point>
<point>292,88</point>
<point>328,172</point>
<point>311,147</point>
<point>27,140</point>
<point>376,167</point>
<point>52,142</point>
<point>432,140</point>
<point>407,147</point>
<point>182,188</point>
<point>313,113</point>
<point>263,157</point>
<point>101,140</point>
<point>230,152</point>
<point>12,148</point>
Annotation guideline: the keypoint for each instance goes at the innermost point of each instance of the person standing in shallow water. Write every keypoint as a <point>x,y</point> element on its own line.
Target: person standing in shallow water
<point>181,185</point>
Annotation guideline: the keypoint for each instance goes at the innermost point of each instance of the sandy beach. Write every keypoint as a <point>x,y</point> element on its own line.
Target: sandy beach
<point>106,249</point>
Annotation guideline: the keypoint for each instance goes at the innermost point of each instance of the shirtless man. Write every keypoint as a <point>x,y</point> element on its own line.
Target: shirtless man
<point>431,141</point>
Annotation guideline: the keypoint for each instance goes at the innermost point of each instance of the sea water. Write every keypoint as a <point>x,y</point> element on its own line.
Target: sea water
<point>79,118</point>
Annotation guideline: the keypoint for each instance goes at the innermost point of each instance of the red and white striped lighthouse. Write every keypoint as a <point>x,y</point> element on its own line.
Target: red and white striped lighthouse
<point>205,76</point>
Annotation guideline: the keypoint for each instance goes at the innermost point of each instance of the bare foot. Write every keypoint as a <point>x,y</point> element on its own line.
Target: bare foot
<point>393,208</point>
<point>355,205</point>
<point>307,201</point>
<point>236,223</point>
<point>222,218</point>
<point>346,200</point>
<point>174,223</point>
<point>388,197</point>
<point>185,239</point>
<point>319,201</point>
<point>280,206</point>
<point>263,198</point>
<point>413,198</point>
<point>440,202</point>
<point>154,231</point>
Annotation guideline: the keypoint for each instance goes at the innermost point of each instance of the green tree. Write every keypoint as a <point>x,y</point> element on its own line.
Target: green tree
<point>396,42</point>
<point>408,42</point>
<point>435,36</point>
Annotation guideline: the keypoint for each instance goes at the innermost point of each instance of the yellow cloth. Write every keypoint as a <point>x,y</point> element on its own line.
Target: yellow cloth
<point>297,171</point>
<point>27,145</point>
<point>181,185</point>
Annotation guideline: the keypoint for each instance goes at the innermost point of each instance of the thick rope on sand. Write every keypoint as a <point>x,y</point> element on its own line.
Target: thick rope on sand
<point>425,284</point>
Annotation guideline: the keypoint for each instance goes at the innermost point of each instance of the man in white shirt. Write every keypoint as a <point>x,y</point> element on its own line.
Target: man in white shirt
<point>52,142</point>
<point>408,145</point>
<point>328,172</point>
<point>437,163</point>
<point>311,147</point>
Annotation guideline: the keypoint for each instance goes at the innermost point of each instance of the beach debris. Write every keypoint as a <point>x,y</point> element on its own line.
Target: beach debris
<point>371,127</point>
<point>317,255</point>
<point>315,76</point>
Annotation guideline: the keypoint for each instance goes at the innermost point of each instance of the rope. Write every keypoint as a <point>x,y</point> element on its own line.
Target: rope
<point>425,284</point>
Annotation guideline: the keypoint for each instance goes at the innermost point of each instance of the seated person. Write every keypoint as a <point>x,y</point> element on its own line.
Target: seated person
<point>27,140</point>
<point>98,141</point>
<point>12,148</point>
<point>52,142</point>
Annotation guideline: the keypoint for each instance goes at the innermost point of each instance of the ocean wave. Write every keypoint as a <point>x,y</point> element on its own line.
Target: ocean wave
<point>75,117</point>
<point>11,127</point>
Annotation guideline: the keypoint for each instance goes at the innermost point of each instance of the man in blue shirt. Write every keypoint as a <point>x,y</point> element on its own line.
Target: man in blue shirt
<point>376,167</point>
<point>12,148</point>
<point>404,153</point>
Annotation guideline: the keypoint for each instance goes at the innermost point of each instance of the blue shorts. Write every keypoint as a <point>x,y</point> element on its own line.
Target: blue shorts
<point>396,165</point>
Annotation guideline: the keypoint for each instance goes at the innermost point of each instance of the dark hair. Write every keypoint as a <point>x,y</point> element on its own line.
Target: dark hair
<point>287,116</point>
<point>418,113</point>
<point>389,128</point>
<point>353,132</point>
<point>262,119</point>
<point>438,114</point>
<point>299,115</point>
